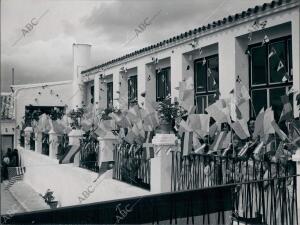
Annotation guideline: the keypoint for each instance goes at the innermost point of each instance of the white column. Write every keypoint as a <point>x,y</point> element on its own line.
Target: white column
<point>75,136</point>
<point>27,131</point>
<point>106,148</point>
<point>226,65</point>
<point>141,79</point>
<point>53,148</point>
<point>296,57</point>
<point>150,79</point>
<point>116,87</point>
<point>97,91</point>
<point>38,142</point>
<point>296,158</point>
<point>176,73</point>
<point>161,165</point>
<point>123,88</point>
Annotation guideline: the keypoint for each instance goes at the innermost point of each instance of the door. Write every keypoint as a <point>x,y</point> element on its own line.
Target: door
<point>7,141</point>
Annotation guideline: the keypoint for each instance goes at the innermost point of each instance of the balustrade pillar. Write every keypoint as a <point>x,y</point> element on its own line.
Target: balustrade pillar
<point>53,144</point>
<point>74,139</point>
<point>27,131</point>
<point>296,158</point>
<point>38,141</point>
<point>161,164</point>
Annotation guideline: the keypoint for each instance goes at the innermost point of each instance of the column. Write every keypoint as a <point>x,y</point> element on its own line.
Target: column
<point>96,91</point>
<point>74,140</point>
<point>150,85</point>
<point>27,131</point>
<point>53,144</point>
<point>296,158</point>
<point>296,57</point>
<point>106,148</point>
<point>176,73</point>
<point>38,142</point>
<point>141,80</point>
<point>161,165</point>
<point>116,87</point>
<point>226,65</point>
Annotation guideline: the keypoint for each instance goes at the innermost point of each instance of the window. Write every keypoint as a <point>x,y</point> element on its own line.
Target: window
<point>92,94</point>
<point>206,82</point>
<point>267,77</point>
<point>163,84</point>
<point>132,90</point>
<point>110,95</point>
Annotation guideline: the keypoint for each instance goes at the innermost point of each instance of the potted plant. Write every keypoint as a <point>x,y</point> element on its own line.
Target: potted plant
<point>49,199</point>
<point>76,115</point>
<point>168,112</point>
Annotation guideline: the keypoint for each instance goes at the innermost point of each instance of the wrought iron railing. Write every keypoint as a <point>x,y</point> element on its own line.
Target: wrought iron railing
<point>266,201</point>
<point>22,138</point>
<point>89,151</point>
<point>63,146</point>
<point>202,170</point>
<point>32,141</point>
<point>45,143</point>
<point>131,166</point>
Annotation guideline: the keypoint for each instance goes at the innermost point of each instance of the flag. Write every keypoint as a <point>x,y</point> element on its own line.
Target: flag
<point>218,141</point>
<point>200,150</point>
<point>280,66</point>
<point>134,114</point>
<point>213,129</point>
<point>196,142</point>
<point>148,150</point>
<point>199,122</point>
<point>240,128</point>
<point>187,143</point>
<point>258,148</point>
<point>183,127</point>
<point>268,118</point>
<point>130,137</point>
<point>187,99</point>
<point>272,52</point>
<point>287,111</point>
<point>265,40</point>
<point>226,141</point>
<point>243,150</point>
<point>278,131</point>
<point>258,127</point>
<point>15,174</point>
<point>151,121</point>
<point>217,112</point>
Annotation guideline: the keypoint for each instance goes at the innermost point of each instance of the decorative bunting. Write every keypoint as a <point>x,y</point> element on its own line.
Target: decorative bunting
<point>280,66</point>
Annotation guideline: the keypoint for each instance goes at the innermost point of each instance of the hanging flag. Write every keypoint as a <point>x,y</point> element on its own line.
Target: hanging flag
<point>278,131</point>
<point>240,128</point>
<point>265,40</point>
<point>130,137</point>
<point>218,142</point>
<point>183,127</point>
<point>287,111</point>
<point>258,148</point>
<point>280,66</point>
<point>200,150</point>
<point>203,61</point>
<point>187,143</point>
<point>285,77</point>
<point>196,142</point>
<point>199,122</point>
<point>272,52</point>
<point>208,71</point>
<point>218,112</point>
<point>226,141</point>
<point>243,150</point>
<point>258,127</point>
<point>213,129</point>
<point>268,118</point>
<point>148,150</point>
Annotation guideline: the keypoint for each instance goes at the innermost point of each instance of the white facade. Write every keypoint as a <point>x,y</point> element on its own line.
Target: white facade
<point>229,41</point>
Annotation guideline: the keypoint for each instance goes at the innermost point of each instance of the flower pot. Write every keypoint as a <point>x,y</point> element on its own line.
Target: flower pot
<point>164,128</point>
<point>53,204</point>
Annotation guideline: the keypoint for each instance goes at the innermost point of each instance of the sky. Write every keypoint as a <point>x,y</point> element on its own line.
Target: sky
<point>42,51</point>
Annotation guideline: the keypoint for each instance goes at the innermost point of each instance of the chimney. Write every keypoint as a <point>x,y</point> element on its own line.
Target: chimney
<point>81,61</point>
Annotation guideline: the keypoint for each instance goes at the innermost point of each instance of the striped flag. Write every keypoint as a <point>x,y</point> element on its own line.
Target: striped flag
<point>14,174</point>
<point>148,150</point>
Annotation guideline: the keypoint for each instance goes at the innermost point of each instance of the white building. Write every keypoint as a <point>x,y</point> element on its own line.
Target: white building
<point>210,58</point>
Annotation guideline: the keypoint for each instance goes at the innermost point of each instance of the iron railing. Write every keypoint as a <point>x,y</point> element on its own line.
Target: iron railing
<point>89,151</point>
<point>202,170</point>
<point>45,143</point>
<point>63,146</point>
<point>32,141</point>
<point>131,166</point>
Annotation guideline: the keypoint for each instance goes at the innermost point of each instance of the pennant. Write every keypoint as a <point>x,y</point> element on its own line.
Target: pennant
<point>226,150</point>
<point>208,71</point>
<point>187,99</point>
<point>265,40</point>
<point>278,131</point>
<point>199,122</point>
<point>243,150</point>
<point>183,127</point>
<point>247,52</point>
<point>258,148</point>
<point>291,91</point>
<point>217,112</point>
<point>280,66</point>
<point>213,129</point>
<point>196,142</point>
<point>200,150</point>
<point>272,52</point>
<point>218,142</point>
<point>187,143</point>
<point>203,61</point>
<point>130,137</point>
<point>240,128</point>
<point>134,113</point>
<point>287,111</point>
<point>226,141</point>
<point>258,127</point>
<point>268,118</point>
